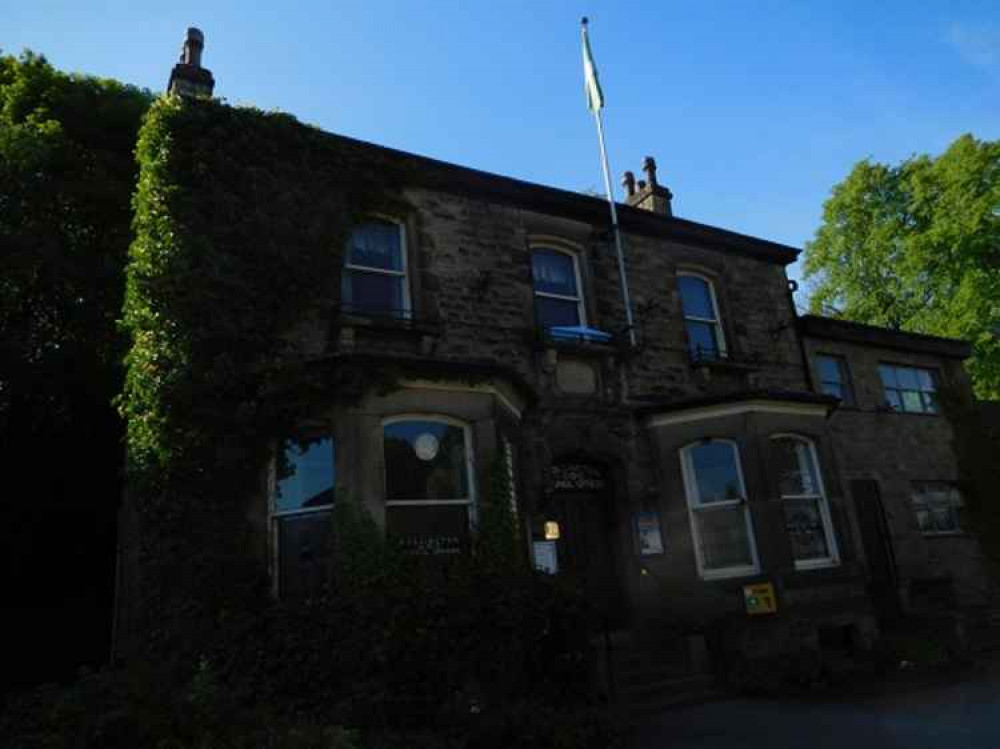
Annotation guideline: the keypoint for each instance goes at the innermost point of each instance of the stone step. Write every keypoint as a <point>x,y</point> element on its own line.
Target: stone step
<point>666,688</point>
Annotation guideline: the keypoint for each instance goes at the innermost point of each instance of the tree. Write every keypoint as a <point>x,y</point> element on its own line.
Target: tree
<point>916,247</point>
<point>67,173</point>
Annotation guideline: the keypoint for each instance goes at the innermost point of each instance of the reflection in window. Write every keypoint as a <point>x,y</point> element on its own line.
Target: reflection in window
<point>429,501</point>
<point>374,277</point>
<point>939,506</point>
<point>833,377</point>
<point>558,300</point>
<point>720,517</point>
<point>301,514</point>
<point>807,515</point>
<point>909,389</point>
<point>701,318</point>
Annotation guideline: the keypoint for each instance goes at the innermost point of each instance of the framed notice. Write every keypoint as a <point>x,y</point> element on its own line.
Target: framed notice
<point>546,557</point>
<point>647,533</point>
<point>760,599</point>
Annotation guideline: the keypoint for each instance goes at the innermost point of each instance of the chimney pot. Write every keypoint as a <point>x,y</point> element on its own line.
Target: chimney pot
<point>628,182</point>
<point>193,45</point>
<point>642,184</point>
<point>649,167</point>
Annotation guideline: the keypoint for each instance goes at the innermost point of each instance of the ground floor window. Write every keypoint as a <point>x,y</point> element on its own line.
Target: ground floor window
<point>717,499</point>
<point>939,507</point>
<point>301,507</point>
<point>429,491</point>
<point>807,513</point>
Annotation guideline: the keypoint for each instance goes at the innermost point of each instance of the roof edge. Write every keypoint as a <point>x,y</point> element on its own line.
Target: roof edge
<point>832,328</point>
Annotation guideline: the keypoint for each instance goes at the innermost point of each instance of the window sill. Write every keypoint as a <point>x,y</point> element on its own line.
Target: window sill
<point>726,363</point>
<point>818,564</point>
<point>390,323</point>
<point>728,573</point>
<point>945,534</point>
<point>541,342</point>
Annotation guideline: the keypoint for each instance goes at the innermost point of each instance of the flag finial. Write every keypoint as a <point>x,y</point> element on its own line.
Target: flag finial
<point>583,20</point>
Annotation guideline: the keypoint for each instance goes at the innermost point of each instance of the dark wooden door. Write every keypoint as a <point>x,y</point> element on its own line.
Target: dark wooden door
<point>883,582</point>
<point>586,553</point>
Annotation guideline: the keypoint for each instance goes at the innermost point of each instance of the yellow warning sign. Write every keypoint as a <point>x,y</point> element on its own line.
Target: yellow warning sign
<point>760,599</point>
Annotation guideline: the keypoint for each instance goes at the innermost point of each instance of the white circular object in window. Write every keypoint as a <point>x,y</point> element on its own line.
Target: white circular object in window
<point>426,446</point>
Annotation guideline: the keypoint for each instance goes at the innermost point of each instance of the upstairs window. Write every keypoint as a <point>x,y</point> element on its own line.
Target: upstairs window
<point>807,514</point>
<point>374,278</point>
<point>429,492</point>
<point>833,377</point>
<point>301,510</point>
<point>909,389</point>
<point>939,506</point>
<point>720,518</point>
<point>701,318</point>
<point>558,295</point>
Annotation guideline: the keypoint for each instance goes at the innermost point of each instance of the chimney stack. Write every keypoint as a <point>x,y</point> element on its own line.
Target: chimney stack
<point>651,195</point>
<point>189,78</point>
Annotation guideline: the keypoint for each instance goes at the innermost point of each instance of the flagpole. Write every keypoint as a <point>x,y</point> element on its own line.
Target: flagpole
<point>623,280</point>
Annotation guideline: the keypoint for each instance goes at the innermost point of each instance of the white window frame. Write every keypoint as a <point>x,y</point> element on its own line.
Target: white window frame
<point>407,311</point>
<point>275,515</point>
<point>471,501</point>
<point>920,391</point>
<point>833,558</point>
<point>716,323</point>
<point>695,506</point>
<point>958,530</point>
<point>579,298</point>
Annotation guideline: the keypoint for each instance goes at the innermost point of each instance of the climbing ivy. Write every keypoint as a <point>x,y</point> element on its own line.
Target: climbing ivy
<point>239,217</point>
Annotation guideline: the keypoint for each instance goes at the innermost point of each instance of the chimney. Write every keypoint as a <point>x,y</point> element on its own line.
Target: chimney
<point>651,195</point>
<point>189,78</point>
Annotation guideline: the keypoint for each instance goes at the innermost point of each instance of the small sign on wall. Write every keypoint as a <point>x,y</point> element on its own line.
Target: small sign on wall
<point>647,533</point>
<point>760,599</point>
<point>546,556</point>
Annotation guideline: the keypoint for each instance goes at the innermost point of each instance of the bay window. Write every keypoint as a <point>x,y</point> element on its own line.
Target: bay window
<point>720,518</point>
<point>803,499</point>
<point>429,489</point>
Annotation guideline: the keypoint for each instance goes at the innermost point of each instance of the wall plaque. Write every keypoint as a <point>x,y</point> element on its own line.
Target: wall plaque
<point>576,477</point>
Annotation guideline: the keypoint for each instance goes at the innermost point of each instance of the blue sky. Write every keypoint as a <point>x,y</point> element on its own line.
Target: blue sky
<point>753,110</point>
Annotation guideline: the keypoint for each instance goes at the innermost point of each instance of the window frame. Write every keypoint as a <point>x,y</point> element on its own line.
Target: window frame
<point>935,380</point>
<point>275,515</point>
<point>695,506</point>
<point>822,500</point>
<point>577,275</point>
<point>720,333</point>
<point>844,368</point>
<point>471,502</point>
<point>406,313</point>
<point>958,530</point>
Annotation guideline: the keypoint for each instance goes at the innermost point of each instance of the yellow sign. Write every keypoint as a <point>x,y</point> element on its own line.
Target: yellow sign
<point>760,599</point>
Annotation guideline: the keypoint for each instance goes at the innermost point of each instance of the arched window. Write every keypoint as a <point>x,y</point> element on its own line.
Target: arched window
<point>374,279</point>
<point>701,317</point>
<point>720,519</point>
<point>429,486</point>
<point>558,290</point>
<point>807,513</point>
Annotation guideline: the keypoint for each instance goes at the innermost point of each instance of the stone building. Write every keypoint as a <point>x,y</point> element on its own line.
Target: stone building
<point>744,478</point>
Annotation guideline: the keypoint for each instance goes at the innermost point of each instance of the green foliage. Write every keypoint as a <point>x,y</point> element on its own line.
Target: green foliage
<point>66,175</point>
<point>916,247</point>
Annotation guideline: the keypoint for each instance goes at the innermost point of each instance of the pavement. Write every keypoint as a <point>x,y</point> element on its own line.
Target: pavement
<point>963,715</point>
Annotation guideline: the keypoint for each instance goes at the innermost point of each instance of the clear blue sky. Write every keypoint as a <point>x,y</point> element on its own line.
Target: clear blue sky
<point>753,110</point>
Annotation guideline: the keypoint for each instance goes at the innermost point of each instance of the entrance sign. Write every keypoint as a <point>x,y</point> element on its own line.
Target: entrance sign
<point>760,599</point>
<point>546,557</point>
<point>577,477</point>
<point>647,533</point>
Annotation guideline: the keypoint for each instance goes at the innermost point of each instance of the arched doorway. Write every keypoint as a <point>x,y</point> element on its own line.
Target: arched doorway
<point>579,501</point>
